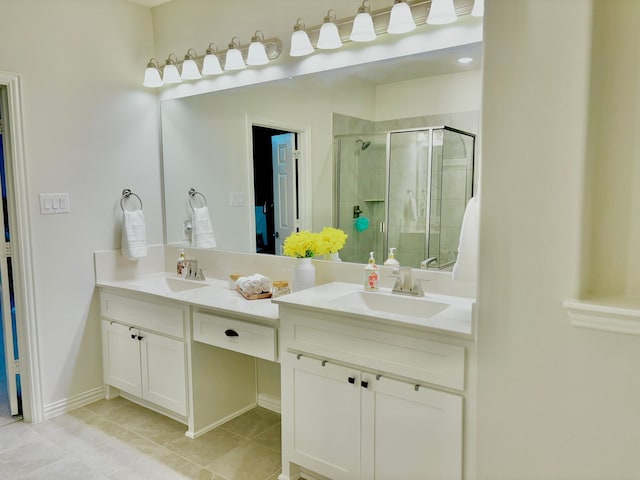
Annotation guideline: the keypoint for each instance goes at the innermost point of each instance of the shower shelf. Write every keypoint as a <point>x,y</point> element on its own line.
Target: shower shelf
<point>374,199</point>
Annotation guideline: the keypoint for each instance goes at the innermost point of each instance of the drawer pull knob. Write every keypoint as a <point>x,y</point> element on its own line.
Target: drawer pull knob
<point>416,388</point>
<point>133,336</point>
<point>231,333</point>
<point>352,380</point>
<point>324,362</point>
<point>364,384</point>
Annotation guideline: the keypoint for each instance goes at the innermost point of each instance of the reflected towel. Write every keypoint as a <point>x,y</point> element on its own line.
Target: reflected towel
<point>202,233</point>
<point>134,234</point>
<point>466,266</point>
<point>410,209</point>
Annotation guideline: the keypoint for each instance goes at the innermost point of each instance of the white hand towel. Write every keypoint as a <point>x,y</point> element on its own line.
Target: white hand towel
<point>134,234</point>
<point>410,208</point>
<point>466,266</point>
<point>202,233</point>
<point>255,283</point>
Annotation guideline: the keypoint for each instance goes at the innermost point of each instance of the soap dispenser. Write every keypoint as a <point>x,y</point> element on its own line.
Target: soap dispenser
<point>391,259</point>
<point>371,276</point>
<point>180,265</point>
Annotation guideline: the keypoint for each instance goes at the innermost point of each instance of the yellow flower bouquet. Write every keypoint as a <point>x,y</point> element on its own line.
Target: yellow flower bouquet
<point>331,240</point>
<point>302,244</point>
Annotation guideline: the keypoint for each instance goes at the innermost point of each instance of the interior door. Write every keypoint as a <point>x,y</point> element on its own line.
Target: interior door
<point>6,305</point>
<point>284,187</point>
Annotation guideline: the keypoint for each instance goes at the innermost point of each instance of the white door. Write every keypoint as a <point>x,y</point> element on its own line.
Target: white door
<point>6,310</point>
<point>121,357</point>
<point>326,418</point>
<point>164,379</point>
<point>410,434</point>
<point>284,188</point>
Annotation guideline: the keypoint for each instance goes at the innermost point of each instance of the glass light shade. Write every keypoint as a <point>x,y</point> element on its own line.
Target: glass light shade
<point>211,65</point>
<point>152,78</point>
<point>362,30</point>
<point>170,74</point>
<point>233,60</point>
<point>441,12</point>
<point>329,38</point>
<point>257,54</point>
<point>401,19</point>
<point>190,70</point>
<point>478,8</point>
<point>300,44</point>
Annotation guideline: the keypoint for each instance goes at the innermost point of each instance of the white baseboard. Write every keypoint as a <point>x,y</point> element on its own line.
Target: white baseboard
<point>213,425</point>
<point>68,404</point>
<point>269,402</point>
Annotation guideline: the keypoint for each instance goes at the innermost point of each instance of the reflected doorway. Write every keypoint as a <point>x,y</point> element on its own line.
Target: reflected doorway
<point>275,185</point>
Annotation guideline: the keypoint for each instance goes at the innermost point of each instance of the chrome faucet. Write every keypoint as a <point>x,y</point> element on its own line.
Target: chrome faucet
<point>192,272</point>
<point>405,284</point>
<point>425,263</point>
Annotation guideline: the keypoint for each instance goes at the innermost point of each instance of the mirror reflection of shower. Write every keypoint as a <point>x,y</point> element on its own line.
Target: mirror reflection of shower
<point>410,188</point>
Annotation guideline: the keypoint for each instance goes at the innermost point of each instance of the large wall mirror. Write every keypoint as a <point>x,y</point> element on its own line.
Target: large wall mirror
<point>211,141</point>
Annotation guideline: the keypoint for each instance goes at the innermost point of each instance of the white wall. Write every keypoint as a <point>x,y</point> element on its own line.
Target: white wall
<point>90,130</point>
<point>440,94</point>
<point>554,401</point>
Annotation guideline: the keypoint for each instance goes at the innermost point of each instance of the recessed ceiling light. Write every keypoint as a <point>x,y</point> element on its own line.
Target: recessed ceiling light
<point>465,60</point>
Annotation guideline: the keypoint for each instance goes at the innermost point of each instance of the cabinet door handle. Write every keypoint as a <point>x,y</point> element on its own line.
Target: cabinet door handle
<point>231,333</point>
<point>364,384</point>
<point>133,336</point>
<point>352,380</point>
<point>140,337</point>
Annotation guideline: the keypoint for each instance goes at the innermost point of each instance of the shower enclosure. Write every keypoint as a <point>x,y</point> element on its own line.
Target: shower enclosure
<point>405,189</point>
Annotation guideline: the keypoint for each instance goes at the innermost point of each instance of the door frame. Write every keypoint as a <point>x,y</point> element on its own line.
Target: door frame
<point>304,169</point>
<point>23,278</point>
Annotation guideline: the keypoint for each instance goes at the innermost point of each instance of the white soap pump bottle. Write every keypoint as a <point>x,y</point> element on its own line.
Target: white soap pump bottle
<point>391,259</point>
<point>371,276</point>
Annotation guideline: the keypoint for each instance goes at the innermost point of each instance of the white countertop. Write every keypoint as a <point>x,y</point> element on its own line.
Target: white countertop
<point>456,318</point>
<point>214,294</point>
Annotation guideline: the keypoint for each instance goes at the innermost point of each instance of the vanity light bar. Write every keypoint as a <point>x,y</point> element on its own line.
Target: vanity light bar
<point>272,47</point>
<point>381,19</point>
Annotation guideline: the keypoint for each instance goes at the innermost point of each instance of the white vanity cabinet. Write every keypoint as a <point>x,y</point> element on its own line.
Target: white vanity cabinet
<point>364,400</point>
<point>144,350</point>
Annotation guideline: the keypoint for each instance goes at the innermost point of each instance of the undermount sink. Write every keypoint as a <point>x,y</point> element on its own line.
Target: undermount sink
<point>391,303</point>
<point>168,284</point>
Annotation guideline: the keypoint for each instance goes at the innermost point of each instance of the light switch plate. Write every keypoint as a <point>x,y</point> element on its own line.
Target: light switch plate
<point>236,199</point>
<point>54,203</point>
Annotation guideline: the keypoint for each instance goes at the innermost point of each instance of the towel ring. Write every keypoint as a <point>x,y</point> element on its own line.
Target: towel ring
<point>126,193</point>
<point>192,193</point>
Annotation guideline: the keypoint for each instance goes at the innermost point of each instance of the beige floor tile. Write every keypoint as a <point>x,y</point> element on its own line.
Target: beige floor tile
<point>28,457</point>
<point>158,428</point>
<point>271,438</point>
<point>104,407</point>
<point>249,461</point>
<point>206,448</point>
<point>14,435</point>
<point>252,423</point>
<point>167,466</point>
<point>66,468</point>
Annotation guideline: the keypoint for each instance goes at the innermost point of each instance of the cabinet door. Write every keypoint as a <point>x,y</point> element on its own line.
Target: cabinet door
<point>164,372</point>
<point>410,434</point>
<point>326,418</point>
<point>121,357</point>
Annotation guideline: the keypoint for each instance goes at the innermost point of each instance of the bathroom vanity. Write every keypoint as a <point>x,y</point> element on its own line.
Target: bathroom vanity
<point>374,385</point>
<point>185,349</point>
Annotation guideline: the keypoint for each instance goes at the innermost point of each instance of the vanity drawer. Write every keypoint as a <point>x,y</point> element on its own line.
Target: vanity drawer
<point>237,335</point>
<point>407,355</point>
<point>157,317</point>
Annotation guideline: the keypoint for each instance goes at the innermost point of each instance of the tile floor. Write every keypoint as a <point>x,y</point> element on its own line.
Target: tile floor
<point>119,440</point>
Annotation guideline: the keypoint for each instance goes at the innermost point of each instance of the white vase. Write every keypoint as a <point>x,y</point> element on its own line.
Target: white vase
<point>304,274</point>
<point>333,257</point>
